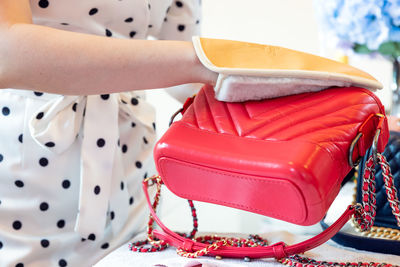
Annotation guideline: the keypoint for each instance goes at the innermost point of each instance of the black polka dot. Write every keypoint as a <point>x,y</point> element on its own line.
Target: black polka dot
<point>38,93</point>
<point>197,21</point>
<point>97,189</point>
<point>66,184</point>
<point>64,23</point>
<point>1,245</point>
<point>165,19</point>
<point>108,33</point>
<point>43,162</point>
<point>179,4</point>
<point>44,206</point>
<point>101,142</point>
<point>145,175</point>
<point>168,9</point>
<point>154,125</point>
<point>138,164</point>
<point>123,101</point>
<point>5,111</point>
<point>39,115</point>
<point>118,142</point>
<point>122,185</point>
<point>93,11</point>
<point>128,20</point>
<point>134,101</point>
<point>124,148</point>
<point>92,237</point>
<point>105,96</point>
<point>132,34</point>
<point>21,138</point>
<point>19,264</point>
<point>62,263</point>
<point>105,246</point>
<point>149,6</point>
<point>130,200</point>
<point>133,124</point>
<point>112,215</point>
<point>83,239</point>
<point>43,3</point>
<point>1,157</point>
<point>150,26</point>
<point>19,183</point>
<point>181,27</point>
<point>45,243</point>
<point>17,225</point>
<point>61,224</point>
<point>50,144</point>
<point>145,140</point>
<point>74,106</point>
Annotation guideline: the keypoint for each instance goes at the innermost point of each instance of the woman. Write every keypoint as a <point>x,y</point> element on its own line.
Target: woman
<point>76,137</point>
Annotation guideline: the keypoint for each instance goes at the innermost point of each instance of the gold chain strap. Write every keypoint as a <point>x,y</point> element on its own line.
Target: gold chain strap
<point>375,231</point>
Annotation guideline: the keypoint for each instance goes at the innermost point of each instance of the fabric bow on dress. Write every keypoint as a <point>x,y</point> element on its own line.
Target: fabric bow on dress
<point>56,126</point>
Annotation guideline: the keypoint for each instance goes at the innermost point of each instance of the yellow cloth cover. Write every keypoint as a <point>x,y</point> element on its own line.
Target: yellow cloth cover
<point>281,66</point>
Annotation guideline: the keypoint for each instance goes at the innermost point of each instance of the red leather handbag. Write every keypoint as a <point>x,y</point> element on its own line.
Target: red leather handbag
<point>284,158</point>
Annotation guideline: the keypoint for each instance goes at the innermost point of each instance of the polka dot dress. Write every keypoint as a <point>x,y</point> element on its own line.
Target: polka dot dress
<point>71,167</point>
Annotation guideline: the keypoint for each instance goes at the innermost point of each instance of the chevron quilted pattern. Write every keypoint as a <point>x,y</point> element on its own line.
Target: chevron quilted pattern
<point>284,157</point>
<point>329,120</point>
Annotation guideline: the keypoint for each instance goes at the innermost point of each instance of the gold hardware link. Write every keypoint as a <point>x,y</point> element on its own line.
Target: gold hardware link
<point>375,231</point>
<point>355,141</point>
<point>156,178</point>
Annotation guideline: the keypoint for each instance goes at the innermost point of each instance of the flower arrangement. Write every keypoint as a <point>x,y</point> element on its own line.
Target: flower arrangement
<point>365,26</point>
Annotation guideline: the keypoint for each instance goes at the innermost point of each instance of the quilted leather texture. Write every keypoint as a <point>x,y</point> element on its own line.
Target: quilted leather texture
<point>284,157</point>
<point>384,216</point>
<point>327,120</point>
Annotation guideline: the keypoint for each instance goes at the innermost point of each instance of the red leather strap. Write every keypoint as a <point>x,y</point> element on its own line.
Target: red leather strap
<point>367,130</point>
<point>187,104</point>
<point>278,250</point>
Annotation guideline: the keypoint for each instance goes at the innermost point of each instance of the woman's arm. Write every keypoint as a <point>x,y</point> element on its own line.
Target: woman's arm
<point>50,60</point>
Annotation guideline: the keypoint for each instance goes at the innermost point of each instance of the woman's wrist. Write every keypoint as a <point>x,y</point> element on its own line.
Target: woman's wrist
<point>209,77</point>
<point>203,74</point>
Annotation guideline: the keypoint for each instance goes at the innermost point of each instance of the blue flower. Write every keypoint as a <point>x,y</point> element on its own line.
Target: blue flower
<point>370,22</point>
<point>391,10</point>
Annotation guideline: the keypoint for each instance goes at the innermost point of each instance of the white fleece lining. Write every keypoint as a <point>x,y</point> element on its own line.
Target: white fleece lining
<point>334,79</point>
<point>231,88</point>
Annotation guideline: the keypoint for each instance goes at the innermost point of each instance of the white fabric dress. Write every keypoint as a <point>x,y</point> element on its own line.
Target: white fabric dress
<point>71,166</point>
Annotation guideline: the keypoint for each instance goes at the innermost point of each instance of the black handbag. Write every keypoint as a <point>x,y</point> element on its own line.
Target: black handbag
<point>384,217</point>
<point>384,236</point>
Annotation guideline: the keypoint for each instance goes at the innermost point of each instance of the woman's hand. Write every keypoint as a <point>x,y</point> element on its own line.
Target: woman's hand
<point>50,60</point>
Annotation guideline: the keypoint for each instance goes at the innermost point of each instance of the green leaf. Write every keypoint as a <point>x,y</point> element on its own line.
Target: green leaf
<point>388,49</point>
<point>397,53</point>
<point>362,49</point>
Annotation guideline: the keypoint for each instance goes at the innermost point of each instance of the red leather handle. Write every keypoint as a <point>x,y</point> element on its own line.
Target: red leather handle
<point>278,250</point>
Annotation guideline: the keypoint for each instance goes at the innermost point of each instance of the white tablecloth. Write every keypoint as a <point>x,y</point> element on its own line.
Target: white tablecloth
<point>329,251</point>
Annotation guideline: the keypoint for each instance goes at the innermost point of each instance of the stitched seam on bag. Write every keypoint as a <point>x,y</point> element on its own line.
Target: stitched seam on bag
<point>292,110</point>
<point>189,196</point>
<point>377,101</point>
<point>299,123</point>
<point>209,112</point>
<point>329,97</point>
<point>229,115</point>
<point>277,109</point>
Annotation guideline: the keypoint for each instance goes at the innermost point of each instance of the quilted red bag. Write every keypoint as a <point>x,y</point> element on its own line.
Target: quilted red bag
<point>284,158</point>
